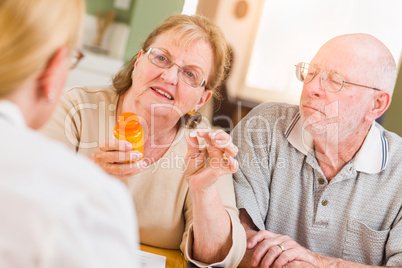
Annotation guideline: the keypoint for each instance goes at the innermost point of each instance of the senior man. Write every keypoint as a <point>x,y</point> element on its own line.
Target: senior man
<point>319,184</point>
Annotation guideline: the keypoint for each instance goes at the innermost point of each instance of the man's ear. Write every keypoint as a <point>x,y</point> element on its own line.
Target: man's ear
<point>206,95</point>
<point>382,100</point>
<point>49,80</point>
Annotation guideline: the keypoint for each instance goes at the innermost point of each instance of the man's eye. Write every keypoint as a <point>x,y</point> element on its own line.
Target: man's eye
<point>336,82</point>
<point>310,74</point>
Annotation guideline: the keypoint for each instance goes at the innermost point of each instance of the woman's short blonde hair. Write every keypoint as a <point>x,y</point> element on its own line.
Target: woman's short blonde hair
<point>187,29</point>
<point>31,32</point>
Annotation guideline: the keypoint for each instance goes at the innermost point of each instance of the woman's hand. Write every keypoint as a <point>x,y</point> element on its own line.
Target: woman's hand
<point>212,227</point>
<point>116,158</point>
<point>204,166</point>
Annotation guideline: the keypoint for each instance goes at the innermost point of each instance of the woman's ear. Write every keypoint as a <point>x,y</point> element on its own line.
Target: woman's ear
<point>382,100</point>
<point>206,95</point>
<point>54,75</point>
<point>138,57</point>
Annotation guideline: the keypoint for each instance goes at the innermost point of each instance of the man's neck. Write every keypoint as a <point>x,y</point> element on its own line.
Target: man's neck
<point>333,155</point>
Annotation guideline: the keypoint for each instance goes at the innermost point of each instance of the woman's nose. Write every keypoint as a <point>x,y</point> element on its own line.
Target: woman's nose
<point>171,75</point>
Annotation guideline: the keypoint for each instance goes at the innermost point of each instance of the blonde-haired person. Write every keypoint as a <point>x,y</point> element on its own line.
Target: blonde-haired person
<point>57,210</point>
<point>176,72</point>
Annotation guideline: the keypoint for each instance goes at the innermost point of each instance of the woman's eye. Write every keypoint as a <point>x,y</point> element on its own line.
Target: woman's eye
<point>162,58</point>
<point>190,74</point>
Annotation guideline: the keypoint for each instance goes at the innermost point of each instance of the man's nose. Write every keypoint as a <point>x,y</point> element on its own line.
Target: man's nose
<point>315,87</point>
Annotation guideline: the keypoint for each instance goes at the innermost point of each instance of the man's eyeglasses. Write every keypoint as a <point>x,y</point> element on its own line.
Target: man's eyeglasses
<point>76,57</point>
<point>187,74</point>
<point>330,80</point>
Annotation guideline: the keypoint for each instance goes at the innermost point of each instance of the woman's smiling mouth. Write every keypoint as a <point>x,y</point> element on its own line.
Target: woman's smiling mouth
<point>163,93</point>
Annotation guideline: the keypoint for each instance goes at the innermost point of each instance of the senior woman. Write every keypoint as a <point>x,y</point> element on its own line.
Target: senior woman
<point>180,188</point>
<point>56,209</point>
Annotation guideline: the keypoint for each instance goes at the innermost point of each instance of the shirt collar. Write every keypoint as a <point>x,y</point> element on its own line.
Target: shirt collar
<point>371,158</point>
<point>11,113</point>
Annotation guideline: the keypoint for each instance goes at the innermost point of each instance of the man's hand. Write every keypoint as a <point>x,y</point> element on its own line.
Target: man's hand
<point>275,250</point>
<point>267,249</point>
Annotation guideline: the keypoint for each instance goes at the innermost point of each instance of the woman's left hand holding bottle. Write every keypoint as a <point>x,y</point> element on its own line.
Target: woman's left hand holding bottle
<point>116,158</point>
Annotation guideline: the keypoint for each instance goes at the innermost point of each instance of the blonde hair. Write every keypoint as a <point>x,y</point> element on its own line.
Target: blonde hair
<point>187,29</point>
<point>31,32</point>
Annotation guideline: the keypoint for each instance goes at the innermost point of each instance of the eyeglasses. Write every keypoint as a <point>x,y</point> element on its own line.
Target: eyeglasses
<point>330,80</point>
<point>186,74</point>
<point>76,57</point>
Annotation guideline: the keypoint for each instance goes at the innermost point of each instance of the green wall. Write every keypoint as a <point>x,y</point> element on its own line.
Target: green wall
<point>393,117</point>
<point>93,6</point>
<point>146,15</point>
<point>142,17</point>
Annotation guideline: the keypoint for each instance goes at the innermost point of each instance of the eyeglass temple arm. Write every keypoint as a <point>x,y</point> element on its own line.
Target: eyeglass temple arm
<point>361,85</point>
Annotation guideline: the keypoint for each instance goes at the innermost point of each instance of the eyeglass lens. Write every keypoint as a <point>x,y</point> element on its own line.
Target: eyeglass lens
<point>187,74</point>
<point>331,81</point>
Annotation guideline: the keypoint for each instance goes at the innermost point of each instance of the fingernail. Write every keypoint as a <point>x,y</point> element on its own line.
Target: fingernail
<point>128,146</point>
<point>141,164</point>
<point>135,155</point>
<point>193,133</point>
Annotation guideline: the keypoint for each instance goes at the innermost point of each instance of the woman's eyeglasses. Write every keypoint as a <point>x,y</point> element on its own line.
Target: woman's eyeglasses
<point>186,74</point>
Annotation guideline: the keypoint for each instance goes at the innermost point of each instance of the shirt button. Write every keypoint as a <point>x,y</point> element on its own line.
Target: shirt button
<point>321,181</point>
<point>324,202</point>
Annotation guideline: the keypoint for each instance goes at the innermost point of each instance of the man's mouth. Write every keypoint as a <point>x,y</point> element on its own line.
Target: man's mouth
<point>163,93</point>
<point>314,109</point>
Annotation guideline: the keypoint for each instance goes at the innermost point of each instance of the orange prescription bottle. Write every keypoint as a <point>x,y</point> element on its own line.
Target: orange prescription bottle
<point>129,128</point>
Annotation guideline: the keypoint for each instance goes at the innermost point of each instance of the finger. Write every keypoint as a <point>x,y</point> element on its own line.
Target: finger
<point>193,145</point>
<point>223,141</point>
<point>218,160</point>
<point>295,252</point>
<point>115,156</point>
<point>273,253</point>
<point>115,145</point>
<point>121,157</point>
<point>220,138</point>
<point>295,264</point>
<point>233,164</point>
<point>125,169</point>
<point>264,254</point>
<point>211,137</point>
<point>258,237</point>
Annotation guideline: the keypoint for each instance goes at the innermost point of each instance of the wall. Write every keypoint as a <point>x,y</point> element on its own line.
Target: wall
<point>145,16</point>
<point>94,6</point>
<point>142,17</point>
<point>393,117</point>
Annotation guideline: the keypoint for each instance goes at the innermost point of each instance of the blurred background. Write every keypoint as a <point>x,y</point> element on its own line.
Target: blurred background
<point>268,37</point>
